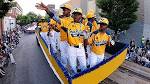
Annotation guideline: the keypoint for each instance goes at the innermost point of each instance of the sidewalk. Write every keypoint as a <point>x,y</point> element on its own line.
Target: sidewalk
<point>10,73</point>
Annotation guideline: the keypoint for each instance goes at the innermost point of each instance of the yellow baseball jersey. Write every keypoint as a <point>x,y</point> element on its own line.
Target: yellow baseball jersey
<point>94,27</point>
<point>53,22</point>
<point>64,23</point>
<point>98,42</point>
<point>44,26</point>
<point>84,22</point>
<point>74,34</point>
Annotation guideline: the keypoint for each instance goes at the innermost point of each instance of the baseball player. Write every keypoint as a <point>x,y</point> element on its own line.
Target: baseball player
<point>98,41</point>
<point>91,26</point>
<point>63,22</point>
<point>76,50</point>
<point>51,35</point>
<point>44,29</point>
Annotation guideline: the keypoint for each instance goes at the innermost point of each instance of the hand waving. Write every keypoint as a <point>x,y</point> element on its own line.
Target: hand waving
<point>41,6</point>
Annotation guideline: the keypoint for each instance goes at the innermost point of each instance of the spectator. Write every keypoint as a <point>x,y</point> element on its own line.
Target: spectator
<point>140,55</point>
<point>142,41</point>
<point>139,51</point>
<point>145,61</point>
<point>132,49</point>
<point>147,41</point>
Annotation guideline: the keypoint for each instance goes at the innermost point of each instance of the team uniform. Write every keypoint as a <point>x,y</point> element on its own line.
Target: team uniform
<point>57,38</point>
<point>64,39</point>
<point>44,29</point>
<point>54,36</point>
<point>98,42</point>
<point>76,49</point>
<point>91,26</point>
<point>62,22</point>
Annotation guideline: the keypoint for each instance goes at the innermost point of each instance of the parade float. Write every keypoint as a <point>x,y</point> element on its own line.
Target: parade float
<point>93,75</point>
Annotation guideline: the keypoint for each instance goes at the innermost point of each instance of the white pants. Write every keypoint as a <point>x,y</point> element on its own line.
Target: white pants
<point>64,52</point>
<point>45,37</point>
<point>77,54</point>
<point>88,52</point>
<point>52,41</point>
<point>95,59</point>
<point>57,39</point>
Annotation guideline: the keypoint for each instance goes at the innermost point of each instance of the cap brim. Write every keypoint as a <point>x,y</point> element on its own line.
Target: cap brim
<point>77,12</point>
<point>102,23</point>
<point>64,8</point>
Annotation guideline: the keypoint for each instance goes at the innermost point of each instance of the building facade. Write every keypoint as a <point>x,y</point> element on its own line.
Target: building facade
<point>143,16</point>
<point>9,21</point>
<point>86,5</point>
<point>51,6</point>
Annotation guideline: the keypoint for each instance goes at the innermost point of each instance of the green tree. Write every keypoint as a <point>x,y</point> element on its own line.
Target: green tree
<point>23,20</point>
<point>47,17</point>
<point>4,7</point>
<point>32,16</point>
<point>26,19</point>
<point>121,13</point>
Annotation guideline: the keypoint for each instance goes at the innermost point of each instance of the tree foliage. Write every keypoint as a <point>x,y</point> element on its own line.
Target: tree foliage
<point>27,19</point>
<point>4,7</point>
<point>121,13</point>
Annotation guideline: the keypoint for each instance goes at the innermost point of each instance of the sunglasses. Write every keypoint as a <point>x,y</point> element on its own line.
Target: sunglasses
<point>76,13</point>
<point>102,24</point>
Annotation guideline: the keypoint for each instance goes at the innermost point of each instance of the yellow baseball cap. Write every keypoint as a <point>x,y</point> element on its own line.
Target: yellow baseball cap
<point>77,10</point>
<point>90,15</point>
<point>104,21</point>
<point>66,6</point>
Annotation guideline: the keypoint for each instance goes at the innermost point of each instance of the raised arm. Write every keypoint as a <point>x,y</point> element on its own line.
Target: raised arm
<point>51,13</point>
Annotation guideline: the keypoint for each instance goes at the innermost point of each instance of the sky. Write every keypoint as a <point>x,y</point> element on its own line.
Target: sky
<point>29,5</point>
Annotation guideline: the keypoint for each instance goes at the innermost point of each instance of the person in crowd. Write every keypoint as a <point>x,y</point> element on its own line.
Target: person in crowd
<point>132,49</point>
<point>142,41</point>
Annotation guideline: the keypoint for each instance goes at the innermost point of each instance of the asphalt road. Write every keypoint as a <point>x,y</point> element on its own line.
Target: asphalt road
<point>31,67</point>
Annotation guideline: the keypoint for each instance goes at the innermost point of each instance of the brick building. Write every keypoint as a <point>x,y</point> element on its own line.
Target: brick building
<point>9,21</point>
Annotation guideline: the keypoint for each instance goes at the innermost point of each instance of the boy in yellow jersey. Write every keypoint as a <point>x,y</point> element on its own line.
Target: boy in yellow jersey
<point>63,22</point>
<point>44,29</point>
<point>91,26</point>
<point>98,41</point>
<point>51,35</point>
<point>76,50</point>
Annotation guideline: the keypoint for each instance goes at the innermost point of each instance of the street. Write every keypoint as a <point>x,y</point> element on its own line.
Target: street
<point>31,67</point>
